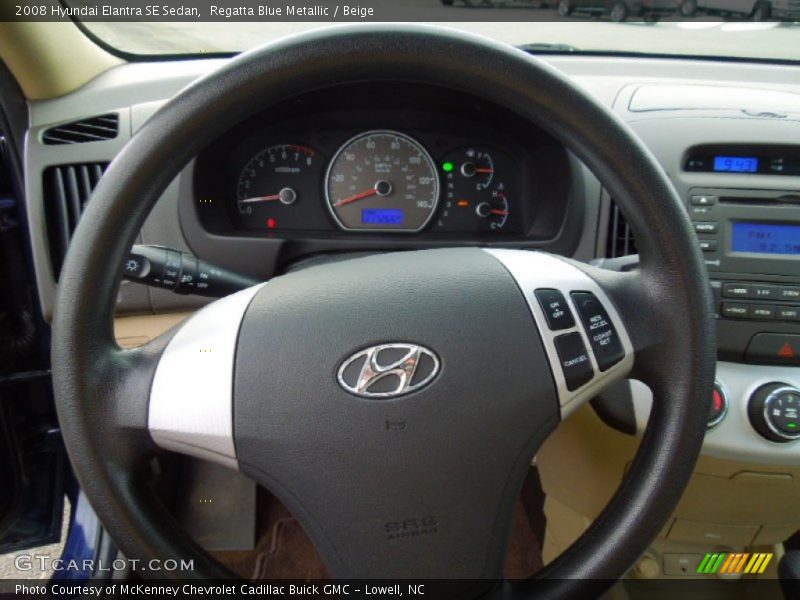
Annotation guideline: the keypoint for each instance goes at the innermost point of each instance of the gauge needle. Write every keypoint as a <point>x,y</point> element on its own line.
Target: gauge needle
<point>496,211</point>
<point>287,196</point>
<point>367,194</point>
<point>484,170</point>
<point>261,199</point>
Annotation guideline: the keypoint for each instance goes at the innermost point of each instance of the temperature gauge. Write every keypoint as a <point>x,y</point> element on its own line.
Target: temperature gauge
<point>494,210</point>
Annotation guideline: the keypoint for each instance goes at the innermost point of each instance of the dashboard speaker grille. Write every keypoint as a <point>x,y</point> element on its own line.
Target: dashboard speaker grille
<point>67,189</point>
<point>620,240</point>
<point>95,129</point>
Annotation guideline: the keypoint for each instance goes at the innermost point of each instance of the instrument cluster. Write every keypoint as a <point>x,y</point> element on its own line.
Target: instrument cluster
<point>378,181</point>
<point>422,166</point>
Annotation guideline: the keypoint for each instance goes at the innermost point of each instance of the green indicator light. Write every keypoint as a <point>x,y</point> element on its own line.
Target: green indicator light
<point>448,166</point>
<point>792,425</point>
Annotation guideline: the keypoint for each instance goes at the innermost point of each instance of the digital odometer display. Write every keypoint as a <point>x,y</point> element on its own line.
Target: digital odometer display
<point>736,164</point>
<point>766,238</point>
<point>381,216</point>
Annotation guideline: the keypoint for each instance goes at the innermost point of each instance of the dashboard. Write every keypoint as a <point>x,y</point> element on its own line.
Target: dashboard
<point>384,160</point>
<point>329,174</point>
<point>392,165</point>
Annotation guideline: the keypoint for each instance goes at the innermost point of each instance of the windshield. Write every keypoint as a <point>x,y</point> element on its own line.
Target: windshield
<point>625,26</point>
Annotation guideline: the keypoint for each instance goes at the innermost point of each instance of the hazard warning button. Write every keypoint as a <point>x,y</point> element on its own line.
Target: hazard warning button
<point>774,348</point>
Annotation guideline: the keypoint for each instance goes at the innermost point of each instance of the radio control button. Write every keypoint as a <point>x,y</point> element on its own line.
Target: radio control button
<point>706,226</point>
<point>703,200</point>
<point>790,294</point>
<point>708,245</point>
<point>788,313</point>
<point>762,312</point>
<point>733,310</point>
<point>774,412</point>
<point>762,291</point>
<point>737,290</point>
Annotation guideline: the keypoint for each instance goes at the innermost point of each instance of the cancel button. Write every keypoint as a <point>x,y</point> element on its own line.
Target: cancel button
<point>574,359</point>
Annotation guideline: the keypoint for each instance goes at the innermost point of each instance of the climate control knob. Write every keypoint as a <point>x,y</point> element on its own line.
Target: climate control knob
<point>774,412</point>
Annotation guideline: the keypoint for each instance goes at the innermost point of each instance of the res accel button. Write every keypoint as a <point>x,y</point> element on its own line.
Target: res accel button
<point>574,359</point>
<point>603,336</point>
<point>555,309</point>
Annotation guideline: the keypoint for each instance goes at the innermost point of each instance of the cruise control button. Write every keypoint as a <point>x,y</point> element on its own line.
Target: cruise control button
<point>603,336</point>
<point>575,361</point>
<point>733,310</point>
<point>556,310</point>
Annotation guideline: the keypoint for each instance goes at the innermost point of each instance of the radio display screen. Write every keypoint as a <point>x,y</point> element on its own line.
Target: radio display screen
<point>736,164</point>
<point>766,238</point>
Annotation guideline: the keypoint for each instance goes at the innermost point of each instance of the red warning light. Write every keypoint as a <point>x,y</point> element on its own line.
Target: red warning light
<point>271,223</point>
<point>718,406</point>
<point>786,351</point>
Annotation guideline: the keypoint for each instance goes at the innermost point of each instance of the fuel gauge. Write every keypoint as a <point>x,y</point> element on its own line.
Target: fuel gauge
<point>478,167</point>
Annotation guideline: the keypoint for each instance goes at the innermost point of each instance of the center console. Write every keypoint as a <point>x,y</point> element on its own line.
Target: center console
<point>744,204</point>
<point>751,243</point>
<point>750,239</point>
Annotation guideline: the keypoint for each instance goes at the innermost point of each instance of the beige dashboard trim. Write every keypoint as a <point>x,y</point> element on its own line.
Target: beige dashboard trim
<point>36,54</point>
<point>727,503</point>
<point>137,330</point>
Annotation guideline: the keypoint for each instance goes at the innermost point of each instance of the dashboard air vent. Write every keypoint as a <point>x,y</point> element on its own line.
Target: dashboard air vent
<point>67,189</point>
<point>620,240</point>
<point>95,129</point>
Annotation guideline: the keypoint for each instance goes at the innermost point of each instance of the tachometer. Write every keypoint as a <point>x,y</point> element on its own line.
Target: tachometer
<point>274,183</point>
<point>382,181</point>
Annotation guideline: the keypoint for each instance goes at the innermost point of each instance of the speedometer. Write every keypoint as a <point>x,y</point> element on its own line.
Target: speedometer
<point>382,181</point>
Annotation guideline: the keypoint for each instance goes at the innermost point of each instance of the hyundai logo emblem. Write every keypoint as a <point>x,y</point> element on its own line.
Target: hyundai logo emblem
<point>388,370</point>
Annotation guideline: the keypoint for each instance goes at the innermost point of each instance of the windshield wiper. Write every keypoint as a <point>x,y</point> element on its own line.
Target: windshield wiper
<point>545,48</point>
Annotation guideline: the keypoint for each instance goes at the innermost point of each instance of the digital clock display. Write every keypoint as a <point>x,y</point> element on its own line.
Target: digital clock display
<point>766,238</point>
<point>736,164</point>
<point>382,216</point>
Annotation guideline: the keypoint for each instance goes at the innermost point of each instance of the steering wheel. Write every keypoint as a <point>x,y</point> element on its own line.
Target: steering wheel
<point>392,402</point>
